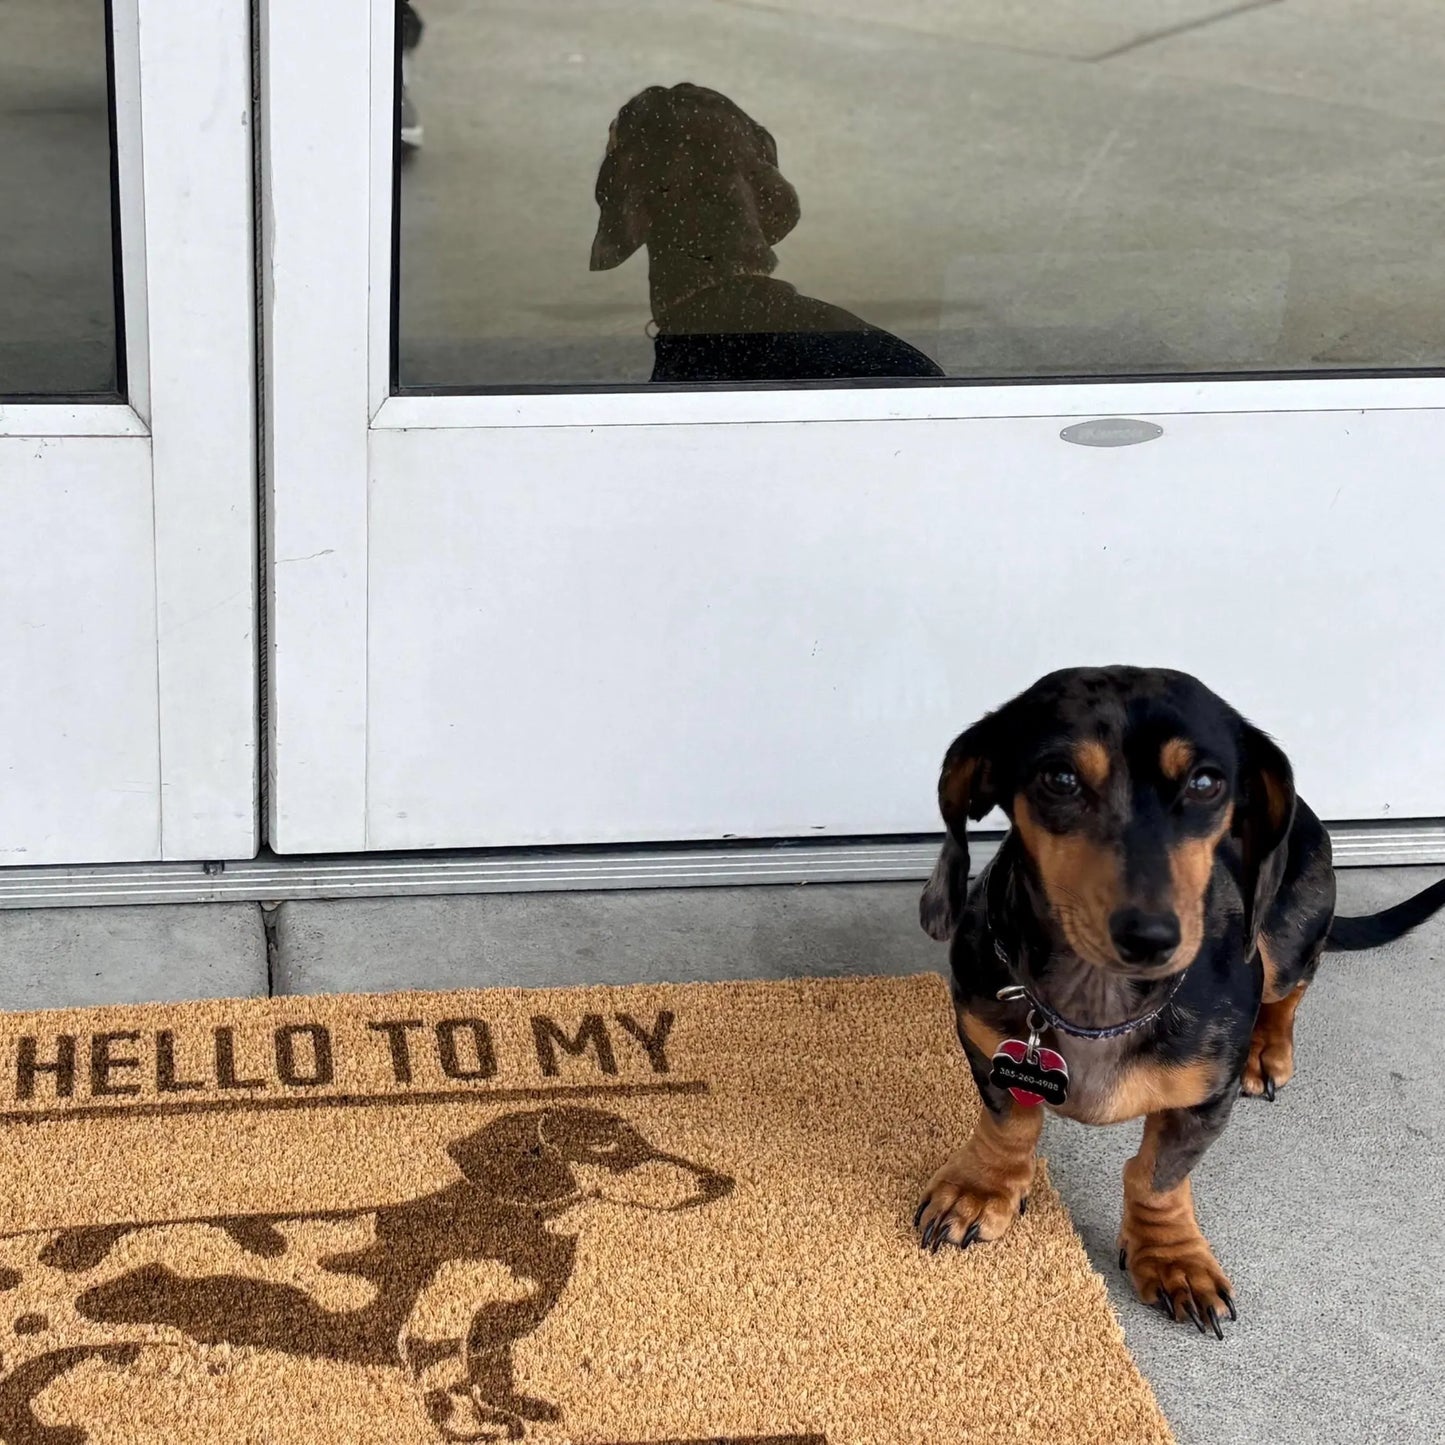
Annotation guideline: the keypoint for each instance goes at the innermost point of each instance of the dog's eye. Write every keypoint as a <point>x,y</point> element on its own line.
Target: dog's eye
<point>1205,786</point>
<point>1061,782</point>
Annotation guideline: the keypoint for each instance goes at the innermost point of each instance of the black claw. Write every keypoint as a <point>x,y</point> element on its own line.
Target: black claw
<point>1165,1303</point>
<point>1123,1258</point>
<point>939,1233</point>
<point>1229,1303</point>
<point>1023,1206</point>
<point>1269,1088</point>
<point>1192,1310</point>
<point>1214,1322</point>
<point>970,1235</point>
<point>918,1213</point>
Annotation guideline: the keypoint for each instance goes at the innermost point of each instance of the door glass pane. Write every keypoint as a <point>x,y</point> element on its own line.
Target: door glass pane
<point>603,192</point>
<point>59,325</point>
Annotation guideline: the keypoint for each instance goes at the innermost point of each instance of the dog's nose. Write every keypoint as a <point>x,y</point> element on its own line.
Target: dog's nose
<point>1143,937</point>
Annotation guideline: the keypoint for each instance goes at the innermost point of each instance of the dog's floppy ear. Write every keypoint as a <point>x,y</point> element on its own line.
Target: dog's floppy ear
<point>778,207</point>
<point>1263,816</point>
<point>967,789</point>
<point>622,220</point>
<point>941,903</point>
<point>511,1161</point>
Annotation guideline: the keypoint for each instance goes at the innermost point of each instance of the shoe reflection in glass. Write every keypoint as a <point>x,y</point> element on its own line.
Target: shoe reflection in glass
<point>411,131</point>
<point>694,179</point>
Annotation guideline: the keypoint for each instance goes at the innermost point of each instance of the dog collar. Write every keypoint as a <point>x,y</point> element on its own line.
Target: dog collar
<point>1016,992</point>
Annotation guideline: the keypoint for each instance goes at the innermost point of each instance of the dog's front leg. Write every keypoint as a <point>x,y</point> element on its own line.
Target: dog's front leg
<point>490,1367</point>
<point>1169,1261</point>
<point>438,1369</point>
<point>456,1344</point>
<point>984,1186</point>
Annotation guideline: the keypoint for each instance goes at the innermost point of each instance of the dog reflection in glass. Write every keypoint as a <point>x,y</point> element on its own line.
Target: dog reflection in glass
<point>695,180</point>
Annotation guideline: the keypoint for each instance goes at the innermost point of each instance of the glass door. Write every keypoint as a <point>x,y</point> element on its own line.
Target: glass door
<point>127,481</point>
<point>687,416</point>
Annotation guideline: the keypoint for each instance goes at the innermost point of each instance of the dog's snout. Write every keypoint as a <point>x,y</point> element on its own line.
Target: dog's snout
<point>1142,937</point>
<point>704,1185</point>
<point>711,1186</point>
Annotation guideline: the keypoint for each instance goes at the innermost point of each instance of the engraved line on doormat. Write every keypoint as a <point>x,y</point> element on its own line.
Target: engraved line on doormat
<point>352,1101</point>
<point>738,1440</point>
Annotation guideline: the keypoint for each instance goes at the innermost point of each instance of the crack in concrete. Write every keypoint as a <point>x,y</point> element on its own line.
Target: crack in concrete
<point>1184,27</point>
<point>270,926</point>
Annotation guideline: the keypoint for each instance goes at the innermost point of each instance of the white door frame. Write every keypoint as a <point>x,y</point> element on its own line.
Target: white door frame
<point>186,437</point>
<point>327,307</point>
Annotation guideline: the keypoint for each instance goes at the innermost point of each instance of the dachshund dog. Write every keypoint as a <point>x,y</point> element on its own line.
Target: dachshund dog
<point>1137,948</point>
<point>695,179</point>
<point>442,1286</point>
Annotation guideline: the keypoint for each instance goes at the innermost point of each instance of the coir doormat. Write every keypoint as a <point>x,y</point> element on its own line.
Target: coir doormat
<point>654,1214</point>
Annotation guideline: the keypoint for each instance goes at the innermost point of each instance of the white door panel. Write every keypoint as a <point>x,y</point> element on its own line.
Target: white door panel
<point>128,604</point>
<point>639,633</point>
<point>81,767</point>
<point>520,596</point>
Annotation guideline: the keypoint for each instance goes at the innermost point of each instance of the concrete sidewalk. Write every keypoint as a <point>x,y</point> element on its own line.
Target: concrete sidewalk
<point>1325,1207</point>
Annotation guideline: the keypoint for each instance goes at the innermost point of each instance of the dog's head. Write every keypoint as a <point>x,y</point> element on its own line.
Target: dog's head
<point>549,1158</point>
<point>1123,786</point>
<point>687,168</point>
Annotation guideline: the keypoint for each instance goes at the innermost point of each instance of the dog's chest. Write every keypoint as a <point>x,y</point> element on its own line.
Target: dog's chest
<point>1099,1075</point>
<point>1110,1082</point>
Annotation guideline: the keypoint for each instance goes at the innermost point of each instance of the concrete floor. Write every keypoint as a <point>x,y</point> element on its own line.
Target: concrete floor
<point>1326,1207</point>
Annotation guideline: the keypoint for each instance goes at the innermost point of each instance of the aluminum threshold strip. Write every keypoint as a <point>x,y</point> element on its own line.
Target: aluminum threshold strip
<point>272,879</point>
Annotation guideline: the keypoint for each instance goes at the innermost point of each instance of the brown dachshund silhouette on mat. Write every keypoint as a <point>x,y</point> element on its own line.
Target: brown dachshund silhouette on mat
<point>442,1286</point>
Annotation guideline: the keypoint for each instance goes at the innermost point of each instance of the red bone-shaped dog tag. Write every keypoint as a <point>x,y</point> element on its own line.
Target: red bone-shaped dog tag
<point>1044,1078</point>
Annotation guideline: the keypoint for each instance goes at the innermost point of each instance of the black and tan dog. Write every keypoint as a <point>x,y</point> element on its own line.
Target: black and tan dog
<point>1154,917</point>
<point>442,1286</point>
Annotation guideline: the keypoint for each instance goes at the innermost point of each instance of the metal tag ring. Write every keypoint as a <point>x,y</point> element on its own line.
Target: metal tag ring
<point>1035,1025</point>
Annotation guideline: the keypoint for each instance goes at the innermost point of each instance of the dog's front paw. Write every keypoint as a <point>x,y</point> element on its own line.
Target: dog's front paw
<point>961,1207</point>
<point>460,1417</point>
<point>540,1411</point>
<point>1181,1276</point>
<point>1270,1066</point>
<point>1271,1047</point>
